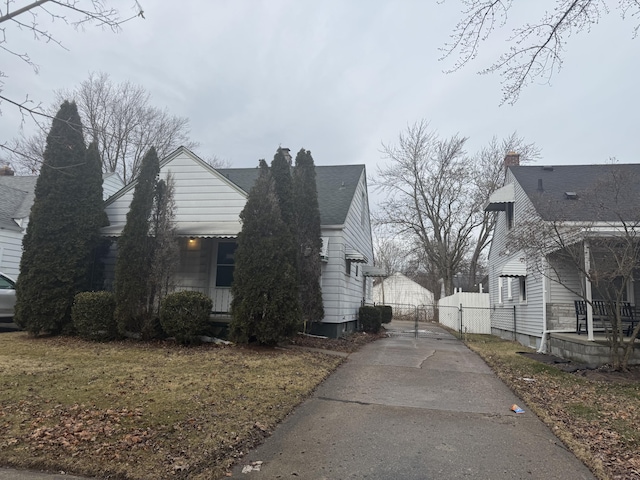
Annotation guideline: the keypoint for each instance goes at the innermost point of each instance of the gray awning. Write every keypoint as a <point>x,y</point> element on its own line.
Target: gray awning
<point>499,199</point>
<point>516,267</point>
<point>355,256</point>
<point>371,271</point>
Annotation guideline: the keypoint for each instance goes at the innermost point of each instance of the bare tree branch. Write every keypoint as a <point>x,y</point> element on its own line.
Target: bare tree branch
<point>537,47</point>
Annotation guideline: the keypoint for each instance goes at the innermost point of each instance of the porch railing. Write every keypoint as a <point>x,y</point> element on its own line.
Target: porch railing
<point>220,297</point>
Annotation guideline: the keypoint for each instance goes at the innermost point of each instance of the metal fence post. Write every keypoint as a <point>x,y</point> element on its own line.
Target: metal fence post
<point>460,317</point>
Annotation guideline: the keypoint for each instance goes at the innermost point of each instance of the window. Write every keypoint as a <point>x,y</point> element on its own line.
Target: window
<point>509,295</point>
<point>523,289</point>
<point>500,290</point>
<point>225,263</point>
<point>509,212</point>
<point>6,284</point>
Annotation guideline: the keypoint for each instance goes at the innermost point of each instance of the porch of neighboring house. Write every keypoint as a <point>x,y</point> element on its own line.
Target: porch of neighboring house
<point>580,349</point>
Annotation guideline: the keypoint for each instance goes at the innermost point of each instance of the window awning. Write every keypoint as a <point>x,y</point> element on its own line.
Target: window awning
<point>228,229</point>
<point>499,199</point>
<point>516,267</point>
<point>355,256</point>
<point>371,271</point>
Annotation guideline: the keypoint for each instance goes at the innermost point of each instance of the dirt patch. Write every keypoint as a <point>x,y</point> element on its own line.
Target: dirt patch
<point>601,374</point>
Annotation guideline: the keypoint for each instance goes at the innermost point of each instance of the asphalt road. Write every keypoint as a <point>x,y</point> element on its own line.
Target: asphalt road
<point>407,408</point>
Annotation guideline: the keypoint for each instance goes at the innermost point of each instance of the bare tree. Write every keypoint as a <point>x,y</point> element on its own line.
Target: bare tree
<point>604,249</point>
<point>430,199</point>
<point>120,119</point>
<point>436,197</point>
<point>36,17</point>
<point>537,47</point>
<point>389,251</point>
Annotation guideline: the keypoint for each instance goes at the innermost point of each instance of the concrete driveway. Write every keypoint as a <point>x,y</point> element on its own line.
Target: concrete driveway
<point>412,408</point>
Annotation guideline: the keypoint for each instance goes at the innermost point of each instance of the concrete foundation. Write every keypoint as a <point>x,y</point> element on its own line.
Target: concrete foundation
<point>578,349</point>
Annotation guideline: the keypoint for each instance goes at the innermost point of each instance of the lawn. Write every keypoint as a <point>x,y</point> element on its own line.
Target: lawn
<point>141,411</point>
<point>598,420</point>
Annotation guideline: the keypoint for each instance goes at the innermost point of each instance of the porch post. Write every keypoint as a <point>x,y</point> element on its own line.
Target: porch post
<point>587,290</point>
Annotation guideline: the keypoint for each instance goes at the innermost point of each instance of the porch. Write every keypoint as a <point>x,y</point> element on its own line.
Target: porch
<point>579,348</point>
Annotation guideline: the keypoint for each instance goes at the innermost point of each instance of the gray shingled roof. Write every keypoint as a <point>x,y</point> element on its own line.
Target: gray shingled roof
<point>16,198</point>
<point>336,187</point>
<point>592,184</point>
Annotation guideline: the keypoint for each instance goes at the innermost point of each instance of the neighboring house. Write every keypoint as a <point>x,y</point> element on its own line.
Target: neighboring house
<point>208,204</point>
<point>16,198</point>
<point>528,295</point>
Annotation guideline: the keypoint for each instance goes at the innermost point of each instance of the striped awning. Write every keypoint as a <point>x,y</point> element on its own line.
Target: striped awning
<point>516,267</point>
<point>371,271</point>
<point>354,256</point>
<point>499,199</point>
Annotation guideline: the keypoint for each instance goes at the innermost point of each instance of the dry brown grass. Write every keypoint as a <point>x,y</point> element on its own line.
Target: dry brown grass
<point>140,411</point>
<point>598,420</point>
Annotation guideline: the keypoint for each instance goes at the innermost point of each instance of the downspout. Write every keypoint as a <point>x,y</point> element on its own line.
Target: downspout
<point>545,332</point>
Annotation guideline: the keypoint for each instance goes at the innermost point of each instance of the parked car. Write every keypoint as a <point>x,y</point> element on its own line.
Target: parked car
<point>7,298</point>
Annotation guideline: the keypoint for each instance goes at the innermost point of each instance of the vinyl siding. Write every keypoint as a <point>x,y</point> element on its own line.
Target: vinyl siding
<point>201,194</point>
<point>529,314</point>
<point>10,252</point>
<point>344,292</point>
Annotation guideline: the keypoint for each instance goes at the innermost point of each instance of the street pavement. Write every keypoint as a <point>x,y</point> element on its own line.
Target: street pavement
<point>405,408</point>
<point>412,408</point>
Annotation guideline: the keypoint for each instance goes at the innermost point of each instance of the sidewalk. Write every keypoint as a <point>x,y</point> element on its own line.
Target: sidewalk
<point>412,408</point>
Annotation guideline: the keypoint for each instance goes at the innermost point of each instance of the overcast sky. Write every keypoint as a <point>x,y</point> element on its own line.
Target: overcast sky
<point>337,77</point>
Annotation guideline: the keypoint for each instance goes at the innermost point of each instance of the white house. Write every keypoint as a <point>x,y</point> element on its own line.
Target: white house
<point>16,198</point>
<point>208,204</point>
<point>533,295</point>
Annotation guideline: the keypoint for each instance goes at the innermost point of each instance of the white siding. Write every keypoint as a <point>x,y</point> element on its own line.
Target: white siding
<point>400,290</point>
<point>10,252</point>
<point>111,184</point>
<point>342,292</point>
<point>201,195</point>
<point>529,314</point>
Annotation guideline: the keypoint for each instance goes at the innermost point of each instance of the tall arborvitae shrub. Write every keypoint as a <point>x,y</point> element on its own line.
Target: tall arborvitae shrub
<point>305,199</point>
<point>93,217</point>
<point>56,246</point>
<point>166,251</point>
<point>283,185</point>
<point>265,289</point>
<point>133,264</point>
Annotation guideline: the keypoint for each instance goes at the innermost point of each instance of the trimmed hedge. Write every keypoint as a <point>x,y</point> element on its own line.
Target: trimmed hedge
<point>370,319</point>
<point>185,316</point>
<point>386,313</point>
<point>93,317</point>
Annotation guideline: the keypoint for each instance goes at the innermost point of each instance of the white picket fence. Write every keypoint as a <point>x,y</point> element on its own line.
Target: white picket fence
<point>466,312</point>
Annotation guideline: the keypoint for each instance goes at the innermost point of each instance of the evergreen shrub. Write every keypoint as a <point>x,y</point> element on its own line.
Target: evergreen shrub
<point>370,319</point>
<point>93,317</point>
<point>185,316</point>
<point>386,313</point>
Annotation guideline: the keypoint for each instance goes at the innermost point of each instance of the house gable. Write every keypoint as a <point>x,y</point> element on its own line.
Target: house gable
<point>207,203</point>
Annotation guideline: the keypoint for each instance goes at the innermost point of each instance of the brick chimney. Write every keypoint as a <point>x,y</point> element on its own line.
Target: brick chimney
<point>287,155</point>
<point>511,159</point>
<point>5,171</point>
